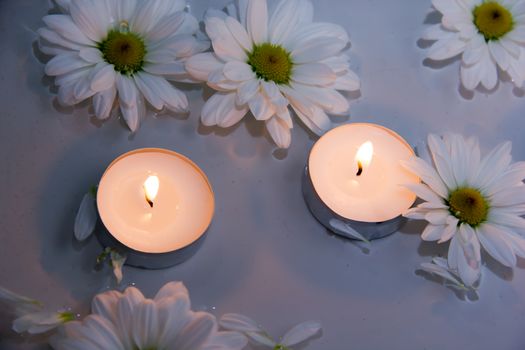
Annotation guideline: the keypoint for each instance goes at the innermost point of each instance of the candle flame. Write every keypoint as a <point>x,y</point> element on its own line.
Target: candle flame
<point>364,156</point>
<point>151,188</point>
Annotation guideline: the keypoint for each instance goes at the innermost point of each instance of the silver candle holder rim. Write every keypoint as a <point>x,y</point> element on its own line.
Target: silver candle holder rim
<point>340,225</point>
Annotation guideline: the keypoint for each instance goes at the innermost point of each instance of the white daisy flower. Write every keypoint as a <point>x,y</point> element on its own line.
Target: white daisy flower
<point>474,202</point>
<point>296,336</point>
<point>30,314</point>
<point>265,62</point>
<point>129,48</point>
<point>488,34</point>
<point>128,321</point>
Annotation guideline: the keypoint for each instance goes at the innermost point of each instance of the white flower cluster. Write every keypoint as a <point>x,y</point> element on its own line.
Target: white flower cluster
<point>128,51</point>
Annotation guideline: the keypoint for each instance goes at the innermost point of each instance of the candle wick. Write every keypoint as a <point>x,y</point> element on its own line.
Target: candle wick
<point>359,168</point>
<point>150,202</point>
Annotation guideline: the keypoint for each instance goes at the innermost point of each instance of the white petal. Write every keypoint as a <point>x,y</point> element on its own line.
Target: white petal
<point>35,323</point>
<point>102,77</point>
<point>91,17</point>
<point>424,192</point>
<point>494,241</point>
<point>261,339</point>
<point>105,305</point>
<point>312,32</point>
<point>493,164</point>
<point>514,175</point>
<point>166,27</point>
<point>469,258</point>
<point>257,21</point>
<point>238,71</point>
<point>224,44</point>
<point>239,33</point>
<point>86,218</point>
<point>260,107</point>
<point>174,314</point>
<point>90,55</point>
<point>238,323</point>
<point>432,232</point>
<point>441,271</point>
<point>274,94</point>
<point>131,116</point>
<point>509,197</point>
<point>22,305</point>
<point>147,87</point>
<point>171,289</point>
<point>101,333</point>
<point>317,49</point>
<point>326,98</point>
<point>82,89</point>
<point>489,78</point>
<point>458,157</point>
<point>226,341</point>
<point>313,74</point>
<point>301,333</point>
<point>247,91</point>
<point>441,160</point>
<point>471,75</point>
<point>195,334</point>
<point>347,82</point>
<point>103,102</point>
<point>145,325</point>
<point>173,68</point>
<point>450,229</point>
<point>499,54</point>
<point>446,48</point>
<point>311,115</point>
<point>416,213</point>
<point>182,46</point>
<point>500,216</point>
<point>474,51</point>
<point>63,64</point>
<point>437,216</point>
<point>279,131</point>
<point>126,309</point>
<point>284,115</point>
<point>218,81</point>
<point>201,65</point>
<point>127,91</point>
<point>54,38</point>
<point>64,25</point>
<point>435,32</point>
<point>427,174</point>
<point>65,94</point>
<point>285,18</point>
<point>221,109</point>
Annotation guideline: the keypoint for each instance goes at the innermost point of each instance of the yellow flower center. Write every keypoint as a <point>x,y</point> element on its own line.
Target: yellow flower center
<point>271,63</point>
<point>280,347</point>
<point>468,205</point>
<point>124,50</point>
<point>492,20</point>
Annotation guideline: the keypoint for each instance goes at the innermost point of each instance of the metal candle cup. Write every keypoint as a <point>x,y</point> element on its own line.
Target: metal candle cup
<point>155,205</point>
<point>353,181</point>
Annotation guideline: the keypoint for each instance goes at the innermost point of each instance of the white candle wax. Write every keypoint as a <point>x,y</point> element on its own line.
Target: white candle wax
<point>377,194</point>
<point>180,211</point>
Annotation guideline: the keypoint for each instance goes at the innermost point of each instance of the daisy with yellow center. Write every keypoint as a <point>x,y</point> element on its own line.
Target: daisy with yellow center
<point>474,202</point>
<point>264,63</point>
<point>120,50</point>
<point>488,34</point>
